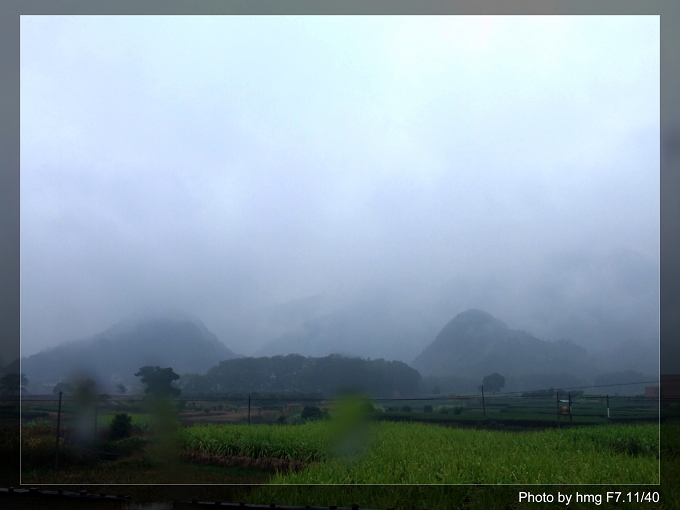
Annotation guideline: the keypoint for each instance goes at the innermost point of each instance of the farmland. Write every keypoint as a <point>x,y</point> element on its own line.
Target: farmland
<point>285,458</point>
<point>514,411</point>
<point>345,450</point>
<point>412,453</point>
<point>382,453</point>
<point>519,412</point>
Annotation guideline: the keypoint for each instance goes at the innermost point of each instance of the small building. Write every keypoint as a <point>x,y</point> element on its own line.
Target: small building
<point>651,391</point>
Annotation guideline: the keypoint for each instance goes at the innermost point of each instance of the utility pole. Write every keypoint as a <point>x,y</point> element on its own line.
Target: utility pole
<point>56,451</point>
<point>607,407</point>
<point>570,421</point>
<point>248,408</point>
<point>483,403</point>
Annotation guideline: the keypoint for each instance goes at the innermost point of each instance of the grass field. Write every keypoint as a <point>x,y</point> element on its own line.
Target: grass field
<point>512,412</point>
<point>521,411</point>
<point>451,448</point>
<point>305,443</point>
<point>412,453</point>
<point>364,454</point>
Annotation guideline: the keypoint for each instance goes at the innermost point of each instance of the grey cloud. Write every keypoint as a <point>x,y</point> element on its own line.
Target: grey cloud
<point>227,169</point>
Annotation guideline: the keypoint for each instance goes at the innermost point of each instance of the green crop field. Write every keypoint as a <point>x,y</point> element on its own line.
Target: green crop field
<point>520,411</point>
<point>413,453</point>
<point>377,464</point>
<point>305,443</point>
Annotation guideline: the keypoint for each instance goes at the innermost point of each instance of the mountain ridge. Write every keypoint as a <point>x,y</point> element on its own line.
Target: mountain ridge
<point>115,355</point>
<point>475,343</point>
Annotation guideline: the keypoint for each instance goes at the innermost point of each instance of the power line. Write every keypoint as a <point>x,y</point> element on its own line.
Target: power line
<point>292,398</point>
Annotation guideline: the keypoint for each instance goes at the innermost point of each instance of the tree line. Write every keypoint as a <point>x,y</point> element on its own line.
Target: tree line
<point>330,375</point>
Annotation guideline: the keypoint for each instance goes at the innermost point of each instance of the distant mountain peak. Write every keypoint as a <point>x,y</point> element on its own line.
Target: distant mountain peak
<point>477,317</point>
<point>178,341</point>
<point>475,343</point>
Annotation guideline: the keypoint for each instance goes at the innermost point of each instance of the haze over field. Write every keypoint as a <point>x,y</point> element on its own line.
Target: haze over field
<point>340,184</point>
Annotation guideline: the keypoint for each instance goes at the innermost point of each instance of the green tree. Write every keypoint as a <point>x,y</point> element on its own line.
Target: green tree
<point>86,392</point>
<point>121,427</point>
<point>64,387</point>
<point>164,414</point>
<point>121,389</point>
<point>311,413</point>
<point>493,382</point>
<point>159,381</point>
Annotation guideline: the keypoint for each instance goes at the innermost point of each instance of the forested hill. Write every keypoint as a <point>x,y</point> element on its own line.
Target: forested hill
<point>329,375</point>
<point>475,343</point>
<point>115,355</point>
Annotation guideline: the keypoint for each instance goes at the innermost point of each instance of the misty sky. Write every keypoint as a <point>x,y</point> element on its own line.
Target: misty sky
<point>226,165</point>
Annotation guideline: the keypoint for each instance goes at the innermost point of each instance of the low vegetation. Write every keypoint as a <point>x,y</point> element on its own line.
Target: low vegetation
<point>329,375</point>
<point>308,443</point>
<point>351,452</point>
<point>412,453</point>
<point>121,427</point>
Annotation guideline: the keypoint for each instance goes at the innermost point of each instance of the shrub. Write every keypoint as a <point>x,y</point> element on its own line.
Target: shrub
<point>121,427</point>
<point>40,424</point>
<point>368,407</point>
<point>311,413</point>
<point>406,409</point>
<point>130,445</point>
<point>427,409</point>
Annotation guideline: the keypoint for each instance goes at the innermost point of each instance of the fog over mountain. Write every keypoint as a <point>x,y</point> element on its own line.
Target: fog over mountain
<point>594,301</point>
<point>475,343</point>
<point>320,185</point>
<point>115,355</point>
